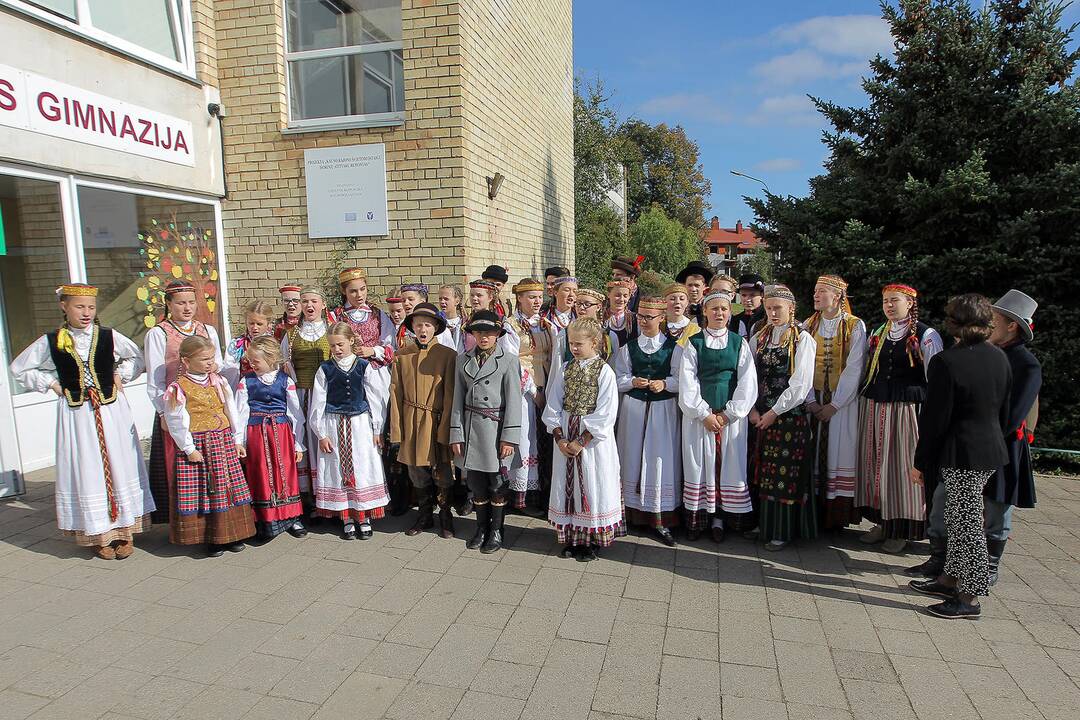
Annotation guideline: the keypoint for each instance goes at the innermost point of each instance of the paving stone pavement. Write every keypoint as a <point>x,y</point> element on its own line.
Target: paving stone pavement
<point>400,627</point>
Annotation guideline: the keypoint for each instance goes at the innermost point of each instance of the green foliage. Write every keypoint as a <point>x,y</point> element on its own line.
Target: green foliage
<point>961,174</point>
<point>652,283</point>
<point>667,244</point>
<point>663,168</point>
<point>598,239</point>
<point>762,262</point>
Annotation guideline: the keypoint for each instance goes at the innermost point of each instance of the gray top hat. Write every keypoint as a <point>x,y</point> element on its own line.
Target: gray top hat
<point>1019,308</point>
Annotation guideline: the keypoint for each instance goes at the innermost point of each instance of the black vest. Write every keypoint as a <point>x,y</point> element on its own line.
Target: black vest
<point>102,366</point>
<point>345,390</point>
<point>898,379</point>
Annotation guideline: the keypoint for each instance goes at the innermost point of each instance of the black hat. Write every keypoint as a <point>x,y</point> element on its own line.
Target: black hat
<point>629,265</point>
<point>495,272</point>
<point>429,312</point>
<point>696,267</point>
<point>485,320</point>
<point>557,271</point>
<point>752,281</point>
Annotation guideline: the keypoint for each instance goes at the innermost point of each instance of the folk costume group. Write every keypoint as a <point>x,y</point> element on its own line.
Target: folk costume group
<point>598,410</point>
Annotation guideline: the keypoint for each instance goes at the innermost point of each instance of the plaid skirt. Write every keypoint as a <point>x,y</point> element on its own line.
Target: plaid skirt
<point>160,467</point>
<point>209,501</point>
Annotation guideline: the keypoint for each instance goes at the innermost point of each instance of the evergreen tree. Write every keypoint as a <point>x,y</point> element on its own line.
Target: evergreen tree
<point>961,174</point>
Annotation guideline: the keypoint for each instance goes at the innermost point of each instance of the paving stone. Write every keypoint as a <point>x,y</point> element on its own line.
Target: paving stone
<point>159,699</point>
<point>649,583</point>
<point>876,700</point>
<point>218,703</point>
<point>426,622</point>
<point>738,708</point>
<point>807,674</point>
<point>749,681</point>
<point>630,681</point>
<point>528,636</point>
<point>370,624</point>
<point>602,584</point>
<point>351,593</point>
<point>908,644</point>
<point>798,711</point>
<point>422,700</point>
<point>644,611</point>
<point>694,602</point>
<point>552,589</point>
<point>506,593</point>
<point>858,665</point>
<point>926,682</point>
<point>402,591</point>
<point>565,687</point>
<point>1042,681</point>
<point>589,617</point>
<point>689,688</point>
<point>691,643</point>
<point>258,672</point>
<point>272,708</point>
<point>18,705</point>
<point>361,697</point>
<point>319,675</point>
<point>509,679</point>
<point>797,630</point>
<point>458,656</point>
<point>483,706</point>
<point>392,660</point>
<point>848,626</point>
<point>746,639</point>
<point>486,614</point>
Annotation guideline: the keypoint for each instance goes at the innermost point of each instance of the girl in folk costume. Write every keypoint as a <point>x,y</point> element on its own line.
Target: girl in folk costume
<point>210,502</point>
<point>395,310</point>
<point>348,407</point>
<point>372,326</point>
<point>531,342</point>
<point>784,354</point>
<point>564,295</point>
<point>841,344</point>
<point>486,423</point>
<point>270,435</point>
<point>305,348</point>
<point>290,298</point>
<point>588,304</point>
<point>161,352</point>
<point>677,324</point>
<point>893,391</point>
<point>484,295</point>
<point>102,492</point>
<point>717,390</point>
<point>421,396</point>
<point>450,305</point>
<point>586,504</point>
<point>647,373</point>
<point>618,318</point>
<point>257,318</point>
<point>497,275</point>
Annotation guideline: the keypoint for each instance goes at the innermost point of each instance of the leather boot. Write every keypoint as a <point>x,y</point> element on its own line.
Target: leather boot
<point>483,513</point>
<point>935,564</point>
<point>495,525</point>
<point>994,548</point>
<point>446,521</point>
<point>424,519</point>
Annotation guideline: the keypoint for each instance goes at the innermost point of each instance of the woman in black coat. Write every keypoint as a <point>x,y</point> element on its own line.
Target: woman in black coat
<point>961,432</point>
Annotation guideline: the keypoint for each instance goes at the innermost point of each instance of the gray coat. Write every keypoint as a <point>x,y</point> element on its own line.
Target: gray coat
<point>487,408</point>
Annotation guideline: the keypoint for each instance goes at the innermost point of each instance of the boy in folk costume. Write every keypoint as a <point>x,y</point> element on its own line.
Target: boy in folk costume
<point>619,318</point>
<point>395,310</point>
<point>781,472</point>
<point>161,352</point>
<point>586,505</point>
<point>677,323</point>
<point>497,275</point>
<point>421,399</point>
<point>531,339</point>
<point>627,270</point>
<point>257,318</point>
<point>893,391</point>
<point>650,450</point>
<point>696,276</point>
<point>210,502</point>
<point>485,425</point>
<point>270,438</point>
<point>290,298</point>
<point>717,390</point>
<point>348,407</point>
<point>550,276</point>
<point>373,328</point>
<point>840,339</point>
<point>751,292</point>
<point>102,491</point>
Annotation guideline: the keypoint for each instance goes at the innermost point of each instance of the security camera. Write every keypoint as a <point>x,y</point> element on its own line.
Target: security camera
<point>217,110</point>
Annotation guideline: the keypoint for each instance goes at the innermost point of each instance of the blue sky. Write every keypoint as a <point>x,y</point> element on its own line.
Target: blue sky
<point>735,75</point>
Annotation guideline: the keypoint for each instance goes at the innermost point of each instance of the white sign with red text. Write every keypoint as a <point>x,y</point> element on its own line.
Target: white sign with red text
<point>42,105</point>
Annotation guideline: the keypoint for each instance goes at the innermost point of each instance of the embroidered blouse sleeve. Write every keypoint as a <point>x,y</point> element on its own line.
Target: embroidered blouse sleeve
<point>243,412</point>
<point>932,344</point>
<point>601,421</point>
<point>296,416</point>
<point>317,405</point>
<point>690,399</point>
<point>154,356</point>
<point>177,419</point>
<point>377,390</point>
<point>552,416</point>
<point>384,351</point>
<point>802,377</point>
<point>847,387</point>
<point>624,372</point>
<point>746,391</point>
<point>33,368</point>
<point>127,356</point>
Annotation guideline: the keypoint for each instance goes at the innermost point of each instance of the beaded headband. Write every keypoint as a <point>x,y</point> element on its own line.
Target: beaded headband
<point>565,279</point>
<point>351,274</point>
<point>528,286</point>
<point>619,284</point>
<point>779,292</point>
<point>590,293</point>
<point>415,287</point>
<point>676,288</point>
<point>651,304</point>
<point>178,287</point>
<point>716,295</point>
<point>77,290</point>
<point>484,284</point>
<point>900,288</point>
<point>289,288</point>
<point>312,290</point>
<point>833,281</point>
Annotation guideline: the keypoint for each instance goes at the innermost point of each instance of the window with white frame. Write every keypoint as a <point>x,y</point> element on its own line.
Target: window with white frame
<point>157,31</point>
<point>344,62</point>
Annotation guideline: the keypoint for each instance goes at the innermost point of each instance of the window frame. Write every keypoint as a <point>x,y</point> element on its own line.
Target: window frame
<point>335,122</point>
<point>82,27</point>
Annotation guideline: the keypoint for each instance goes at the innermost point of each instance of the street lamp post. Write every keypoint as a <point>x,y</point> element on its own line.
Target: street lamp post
<point>751,177</point>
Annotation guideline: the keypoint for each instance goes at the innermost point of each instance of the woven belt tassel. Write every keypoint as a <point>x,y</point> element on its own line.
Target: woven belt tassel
<point>106,464</point>
<point>348,474</point>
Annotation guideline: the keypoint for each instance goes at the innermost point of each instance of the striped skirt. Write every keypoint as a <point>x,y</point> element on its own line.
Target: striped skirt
<point>884,493</point>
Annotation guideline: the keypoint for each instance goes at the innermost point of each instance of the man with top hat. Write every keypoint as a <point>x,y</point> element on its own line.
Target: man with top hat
<point>696,276</point>
<point>751,292</point>
<point>421,395</point>
<point>290,298</point>
<point>497,274</point>
<point>628,270</point>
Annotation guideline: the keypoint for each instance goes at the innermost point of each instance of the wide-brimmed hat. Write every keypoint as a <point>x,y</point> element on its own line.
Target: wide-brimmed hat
<point>485,320</point>
<point>495,272</point>
<point>696,267</point>
<point>629,265</point>
<point>428,312</point>
<point>1020,308</point>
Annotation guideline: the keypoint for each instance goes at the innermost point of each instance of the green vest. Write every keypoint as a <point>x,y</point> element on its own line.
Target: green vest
<point>651,367</point>
<point>306,357</point>
<point>718,370</point>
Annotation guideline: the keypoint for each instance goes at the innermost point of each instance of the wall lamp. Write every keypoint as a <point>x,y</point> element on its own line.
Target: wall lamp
<point>494,183</point>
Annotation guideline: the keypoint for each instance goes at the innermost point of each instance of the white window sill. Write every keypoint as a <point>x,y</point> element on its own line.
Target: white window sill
<point>373,121</point>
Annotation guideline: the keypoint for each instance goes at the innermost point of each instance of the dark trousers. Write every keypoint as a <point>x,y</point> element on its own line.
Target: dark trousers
<point>487,486</point>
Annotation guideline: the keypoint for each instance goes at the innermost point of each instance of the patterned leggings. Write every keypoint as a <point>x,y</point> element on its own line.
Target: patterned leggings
<point>966,558</point>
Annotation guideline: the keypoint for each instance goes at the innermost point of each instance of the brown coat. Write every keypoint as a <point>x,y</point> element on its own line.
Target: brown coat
<point>421,398</point>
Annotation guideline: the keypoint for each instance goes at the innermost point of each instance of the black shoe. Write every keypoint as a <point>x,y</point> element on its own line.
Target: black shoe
<point>483,516</point>
<point>693,534</point>
<point>717,533</point>
<point>586,553</point>
<point>235,547</point>
<point>956,609</point>
<point>349,531</point>
<point>366,531</point>
<point>935,564</point>
<point>446,522</point>
<point>665,536</point>
<point>995,549</point>
<point>570,551</point>
<point>297,530</point>
<point>214,551</point>
<point>493,542</point>
<point>933,587</point>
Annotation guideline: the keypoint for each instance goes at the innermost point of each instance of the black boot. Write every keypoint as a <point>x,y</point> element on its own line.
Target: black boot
<point>483,514</point>
<point>494,536</point>
<point>935,564</point>
<point>446,521</point>
<point>995,549</point>
<point>425,519</point>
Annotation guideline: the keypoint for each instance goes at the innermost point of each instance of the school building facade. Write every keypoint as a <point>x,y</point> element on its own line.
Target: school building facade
<point>143,140</point>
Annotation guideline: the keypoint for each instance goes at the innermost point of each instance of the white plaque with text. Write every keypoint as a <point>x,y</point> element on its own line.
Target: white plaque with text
<point>346,191</point>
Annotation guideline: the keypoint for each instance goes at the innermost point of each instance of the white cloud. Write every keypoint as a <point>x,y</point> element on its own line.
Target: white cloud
<point>685,106</point>
<point>793,110</point>
<point>860,36</point>
<point>802,65</point>
<point>778,165</point>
